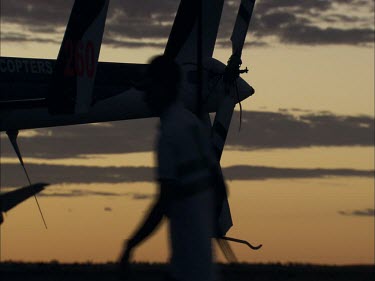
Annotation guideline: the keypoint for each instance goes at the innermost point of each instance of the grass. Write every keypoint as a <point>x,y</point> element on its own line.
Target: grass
<point>145,271</point>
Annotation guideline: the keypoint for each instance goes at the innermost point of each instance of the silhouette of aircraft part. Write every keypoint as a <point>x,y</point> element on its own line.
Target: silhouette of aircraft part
<point>13,198</point>
<point>77,89</point>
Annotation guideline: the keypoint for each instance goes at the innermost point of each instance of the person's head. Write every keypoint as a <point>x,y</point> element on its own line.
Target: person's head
<point>163,78</point>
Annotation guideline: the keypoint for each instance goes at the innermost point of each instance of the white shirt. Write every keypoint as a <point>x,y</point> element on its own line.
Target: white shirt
<point>184,155</point>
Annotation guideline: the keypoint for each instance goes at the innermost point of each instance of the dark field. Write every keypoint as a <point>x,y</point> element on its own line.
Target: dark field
<point>143,271</point>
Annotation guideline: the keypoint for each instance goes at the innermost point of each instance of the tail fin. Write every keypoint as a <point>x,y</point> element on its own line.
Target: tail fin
<point>13,198</point>
<point>182,41</point>
<point>74,74</point>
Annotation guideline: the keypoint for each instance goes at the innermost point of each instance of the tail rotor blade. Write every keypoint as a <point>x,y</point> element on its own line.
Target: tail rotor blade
<point>221,124</point>
<point>15,197</point>
<point>241,26</point>
<point>223,215</point>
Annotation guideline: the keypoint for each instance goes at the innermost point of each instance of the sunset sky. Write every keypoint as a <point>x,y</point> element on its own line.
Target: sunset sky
<point>300,172</point>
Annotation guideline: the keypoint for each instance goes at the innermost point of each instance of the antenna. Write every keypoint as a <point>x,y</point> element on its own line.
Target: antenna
<point>12,135</point>
<point>242,242</point>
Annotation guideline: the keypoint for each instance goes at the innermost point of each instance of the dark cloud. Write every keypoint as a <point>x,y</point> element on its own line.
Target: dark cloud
<point>51,191</point>
<point>259,130</point>
<point>265,6</point>
<point>263,173</point>
<point>142,196</point>
<point>31,14</point>
<point>314,22</point>
<point>12,175</point>
<point>291,21</point>
<point>312,35</point>
<point>123,43</point>
<point>108,209</point>
<point>20,38</point>
<point>343,18</point>
<point>77,193</point>
<point>359,213</point>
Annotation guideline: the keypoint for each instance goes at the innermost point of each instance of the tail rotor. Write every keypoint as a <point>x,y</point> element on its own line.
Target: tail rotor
<point>224,115</point>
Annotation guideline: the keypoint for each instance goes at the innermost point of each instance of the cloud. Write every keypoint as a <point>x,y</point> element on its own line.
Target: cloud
<point>13,176</point>
<point>359,213</point>
<point>312,35</point>
<point>17,37</point>
<point>125,43</point>
<point>56,191</point>
<point>316,22</point>
<point>284,130</point>
<point>259,130</point>
<point>308,22</point>
<point>142,196</point>
<point>263,173</point>
<point>76,193</point>
<point>31,14</point>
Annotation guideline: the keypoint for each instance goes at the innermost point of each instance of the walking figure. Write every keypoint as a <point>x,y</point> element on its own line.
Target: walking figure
<point>185,172</point>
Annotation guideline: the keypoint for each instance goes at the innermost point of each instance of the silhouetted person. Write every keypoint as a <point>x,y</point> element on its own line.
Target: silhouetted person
<point>184,173</point>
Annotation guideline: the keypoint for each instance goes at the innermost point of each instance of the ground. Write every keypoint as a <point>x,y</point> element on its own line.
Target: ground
<point>143,271</point>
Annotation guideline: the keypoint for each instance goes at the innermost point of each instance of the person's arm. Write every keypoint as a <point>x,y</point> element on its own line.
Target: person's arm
<point>151,221</point>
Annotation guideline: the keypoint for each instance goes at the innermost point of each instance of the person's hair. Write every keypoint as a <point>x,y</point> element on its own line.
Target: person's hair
<point>164,71</point>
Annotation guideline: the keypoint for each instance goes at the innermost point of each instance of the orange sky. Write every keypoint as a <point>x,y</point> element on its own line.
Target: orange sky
<point>297,220</point>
